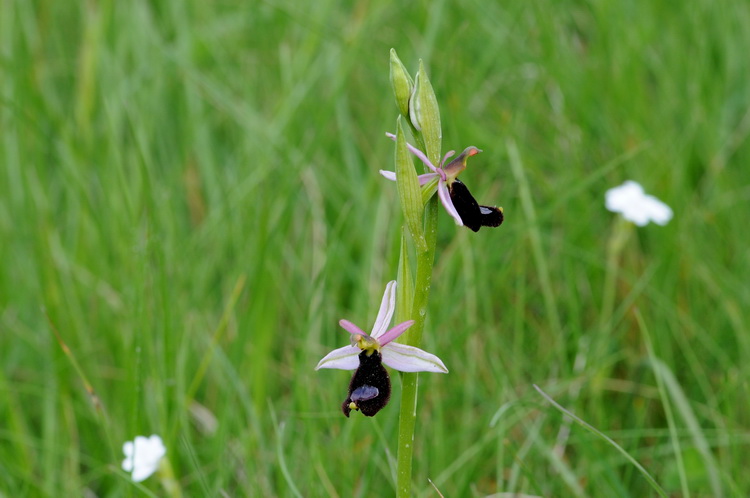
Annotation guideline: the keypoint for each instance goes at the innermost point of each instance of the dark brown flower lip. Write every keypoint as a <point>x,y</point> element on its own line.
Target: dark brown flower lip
<point>473,215</point>
<point>370,387</point>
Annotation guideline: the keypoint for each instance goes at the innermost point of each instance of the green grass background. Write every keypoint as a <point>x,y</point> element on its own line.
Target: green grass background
<point>157,155</point>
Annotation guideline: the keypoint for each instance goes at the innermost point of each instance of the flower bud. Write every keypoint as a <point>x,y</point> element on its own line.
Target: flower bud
<point>402,84</point>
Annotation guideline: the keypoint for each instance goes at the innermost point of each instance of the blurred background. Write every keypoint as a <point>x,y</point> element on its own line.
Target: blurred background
<point>189,196</point>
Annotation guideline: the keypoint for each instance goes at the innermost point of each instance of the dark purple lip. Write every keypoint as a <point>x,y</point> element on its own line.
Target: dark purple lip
<point>472,214</point>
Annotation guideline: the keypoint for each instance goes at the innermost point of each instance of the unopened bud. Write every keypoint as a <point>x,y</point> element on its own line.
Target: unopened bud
<point>402,84</point>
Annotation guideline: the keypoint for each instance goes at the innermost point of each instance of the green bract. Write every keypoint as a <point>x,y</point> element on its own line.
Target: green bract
<point>408,190</point>
<point>405,297</point>
<point>424,114</point>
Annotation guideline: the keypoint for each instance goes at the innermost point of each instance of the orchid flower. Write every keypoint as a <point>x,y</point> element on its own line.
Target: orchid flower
<point>142,456</point>
<point>397,356</point>
<point>630,200</point>
<point>370,387</point>
<point>454,195</point>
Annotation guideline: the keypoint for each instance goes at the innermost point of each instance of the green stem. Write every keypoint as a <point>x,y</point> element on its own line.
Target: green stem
<point>168,481</point>
<point>410,381</point>
<point>615,245</point>
<point>406,423</point>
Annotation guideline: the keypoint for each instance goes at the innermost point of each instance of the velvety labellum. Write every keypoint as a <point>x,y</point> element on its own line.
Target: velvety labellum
<point>472,214</point>
<point>370,387</point>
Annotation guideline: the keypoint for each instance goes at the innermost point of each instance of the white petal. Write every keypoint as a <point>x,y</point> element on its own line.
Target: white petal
<point>445,198</point>
<point>619,199</point>
<point>143,471</point>
<point>391,175</point>
<point>636,215</point>
<point>157,448</point>
<point>410,359</point>
<point>631,201</point>
<point>143,456</point>
<point>346,358</point>
<point>659,212</point>
<point>387,307</point>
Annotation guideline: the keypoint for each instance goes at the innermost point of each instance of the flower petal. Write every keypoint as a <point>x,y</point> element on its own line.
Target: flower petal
<point>128,449</point>
<point>446,156</point>
<point>387,307</point>
<point>636,215</point>
<point>630,200</point>
<point>445,198</point>
<point>416,152</point>
<point>423,179</point>
<point>659,212</point>
<point>410,359</point>
<point>619,199</point>
<point>390,175</point>
<point>142,472</point>
<point>351,328</point>
<point>143,456</point>
<point>394,332</point>
<point>357,334</point>
<point>345,358</point>
<point>155,447</point>
<point>426,178</point>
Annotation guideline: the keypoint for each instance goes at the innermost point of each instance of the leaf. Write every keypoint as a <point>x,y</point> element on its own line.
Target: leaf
<point>405,294</point>
<point>609,440</point>
<point>409,192</point>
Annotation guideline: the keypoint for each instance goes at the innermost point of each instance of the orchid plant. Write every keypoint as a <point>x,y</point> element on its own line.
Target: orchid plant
<point>368,355</point>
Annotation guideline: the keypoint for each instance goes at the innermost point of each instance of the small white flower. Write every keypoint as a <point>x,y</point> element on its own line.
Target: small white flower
<point>635,205</point>
<point>142,456</point>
